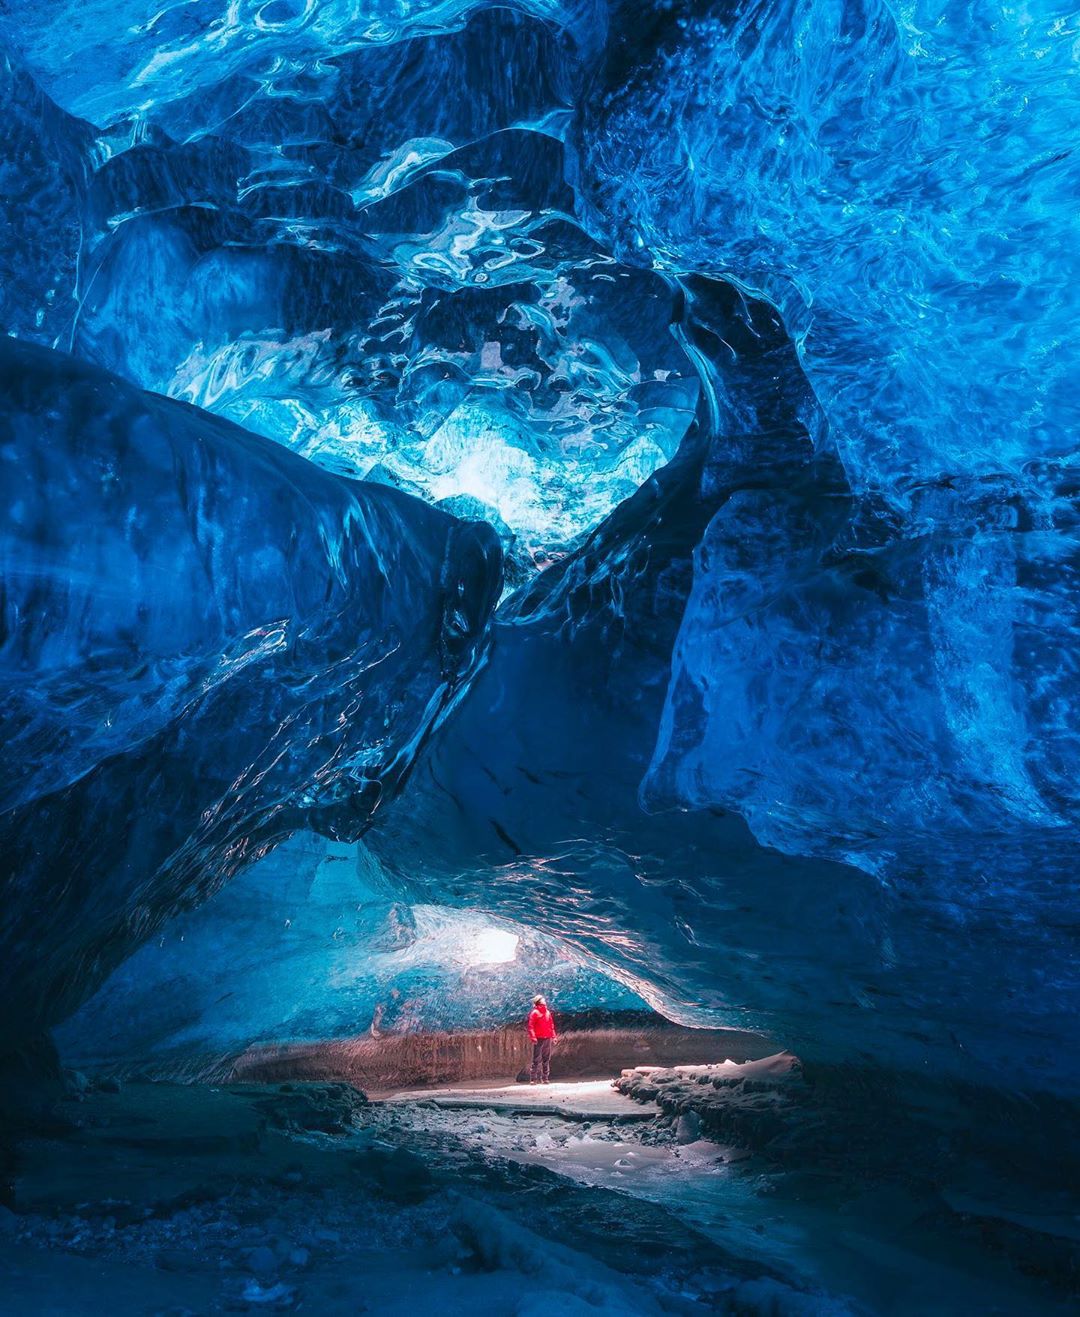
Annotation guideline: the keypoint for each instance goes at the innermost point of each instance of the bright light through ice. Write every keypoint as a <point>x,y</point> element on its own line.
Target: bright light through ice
<point>494,946</point>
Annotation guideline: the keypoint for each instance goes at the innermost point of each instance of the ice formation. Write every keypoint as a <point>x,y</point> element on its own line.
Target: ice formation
<point>208,643</point>
<point>748,331</point>
<point>314,942</point>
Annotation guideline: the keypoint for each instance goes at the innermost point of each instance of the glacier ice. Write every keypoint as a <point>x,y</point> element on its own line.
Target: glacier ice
<point>897,179</point>
<point>45,165</point>
<point>797,772</point>
<point>748,330</point>
<point>159,64</point>
<point>314,943</point>
<point>509,361</point>
<point>207,644</point>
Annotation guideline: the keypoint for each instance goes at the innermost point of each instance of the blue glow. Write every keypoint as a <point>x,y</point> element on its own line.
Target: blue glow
<point>899,179</point>
<point>313,943</point>
<point>749,331</point>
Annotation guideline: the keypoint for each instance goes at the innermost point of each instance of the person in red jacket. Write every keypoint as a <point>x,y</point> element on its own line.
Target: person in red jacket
<point>541,1027</point>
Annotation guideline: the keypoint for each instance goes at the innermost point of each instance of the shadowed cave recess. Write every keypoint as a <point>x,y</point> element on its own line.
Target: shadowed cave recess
<point>569,496</point>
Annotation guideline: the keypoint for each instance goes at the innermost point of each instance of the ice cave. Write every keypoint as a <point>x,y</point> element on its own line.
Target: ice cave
<point>557,501</point>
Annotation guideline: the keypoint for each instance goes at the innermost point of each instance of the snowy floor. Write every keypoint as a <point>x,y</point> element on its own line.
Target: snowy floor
<point>587,1146</point>
<point>576,1100</point>
<point>177,1201</point>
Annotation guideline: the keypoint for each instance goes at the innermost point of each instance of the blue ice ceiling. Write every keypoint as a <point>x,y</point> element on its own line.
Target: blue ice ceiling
<point>313,943</point>
<point>748,331</point>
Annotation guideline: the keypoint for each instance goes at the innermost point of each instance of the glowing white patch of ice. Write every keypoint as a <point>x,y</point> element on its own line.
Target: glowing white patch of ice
<point>493,946</point>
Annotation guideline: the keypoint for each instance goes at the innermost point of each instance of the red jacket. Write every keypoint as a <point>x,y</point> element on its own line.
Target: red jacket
<point>541,1023</point>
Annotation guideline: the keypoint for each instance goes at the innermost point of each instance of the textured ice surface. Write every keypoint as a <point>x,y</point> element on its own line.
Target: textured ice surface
<point>206,643</point>
<point>792,770</point>
<point>44,164</point>
<point>141,60</point>
<point>755,320</point>
<point>314,942</point>
<point>898,179</point>
<point>387,277</point>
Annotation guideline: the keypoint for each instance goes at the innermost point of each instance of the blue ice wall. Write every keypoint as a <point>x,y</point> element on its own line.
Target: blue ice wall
<point>747,328</point>
<point>898,178</point>
<point>45,158</point>
<point>313,943</point>
<point>777,765</point>
<point>373,257</point>
<point>206,644</point>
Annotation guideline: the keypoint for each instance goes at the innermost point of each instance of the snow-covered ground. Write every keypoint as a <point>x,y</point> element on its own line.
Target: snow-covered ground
<point>576,1100</point>
<point>185,1200</point>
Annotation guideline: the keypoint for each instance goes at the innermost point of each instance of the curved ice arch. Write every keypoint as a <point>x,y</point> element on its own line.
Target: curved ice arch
<point>313,944</point>
<point>746,680</point>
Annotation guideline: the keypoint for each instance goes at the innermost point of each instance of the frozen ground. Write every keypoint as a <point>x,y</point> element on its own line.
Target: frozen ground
<point>177,1200</point>
<point>182,1200</point>
<point>885,1248</point>
<point>577,1100</point>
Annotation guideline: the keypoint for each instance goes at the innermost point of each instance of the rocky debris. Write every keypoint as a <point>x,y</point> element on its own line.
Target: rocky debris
<point>533,1153</point>
<point>422,1209</point>
<point>688,1127</point>
<point>242,1243</point>
<point>291,1221</point>
<point>333,1108</point>
<point>394,1173</point>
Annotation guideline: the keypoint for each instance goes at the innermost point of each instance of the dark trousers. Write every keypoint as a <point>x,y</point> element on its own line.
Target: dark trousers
<point>541,1062</point>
